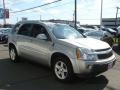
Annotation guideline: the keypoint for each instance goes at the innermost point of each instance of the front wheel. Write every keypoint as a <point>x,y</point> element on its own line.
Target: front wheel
<point>13,54</point>
<point>62,69</point>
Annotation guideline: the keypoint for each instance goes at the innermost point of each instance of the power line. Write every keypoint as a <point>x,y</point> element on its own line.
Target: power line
<point>36,6</point>
<point>67,3</point>
<point>59,5</point>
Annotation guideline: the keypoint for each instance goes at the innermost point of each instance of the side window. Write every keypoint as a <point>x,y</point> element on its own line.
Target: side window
<point>38,29</point>
<point>15,28</point>
<point>25,30</point>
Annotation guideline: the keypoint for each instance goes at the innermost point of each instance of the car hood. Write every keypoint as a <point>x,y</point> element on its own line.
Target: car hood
<point>89,43</point>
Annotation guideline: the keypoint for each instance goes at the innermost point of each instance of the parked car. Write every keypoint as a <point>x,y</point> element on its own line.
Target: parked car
<point>91,27</point>
<point>84,30</point>
<point>118,30</point>
<point>109,31</point>
<point>60,47</point>
<point>4,34</point>
<point>1,38</point>
<point>101,35</point>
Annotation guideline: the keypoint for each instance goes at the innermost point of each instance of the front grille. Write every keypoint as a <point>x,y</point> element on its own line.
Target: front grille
<point>99,50</point>
<point>103,67</point>
<point>104,56</point>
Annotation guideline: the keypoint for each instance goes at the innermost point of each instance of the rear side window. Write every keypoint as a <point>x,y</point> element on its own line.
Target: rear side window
<point>15,29</point>
<point>25,30</point>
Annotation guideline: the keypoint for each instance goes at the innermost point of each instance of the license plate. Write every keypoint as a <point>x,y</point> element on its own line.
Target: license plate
<point>110,65</point>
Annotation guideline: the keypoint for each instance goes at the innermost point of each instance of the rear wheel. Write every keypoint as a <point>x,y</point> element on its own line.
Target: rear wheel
<point>13,54</point>
<point>62,69</point>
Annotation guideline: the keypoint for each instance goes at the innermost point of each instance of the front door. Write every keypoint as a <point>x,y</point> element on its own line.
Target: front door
<point>41,48</point>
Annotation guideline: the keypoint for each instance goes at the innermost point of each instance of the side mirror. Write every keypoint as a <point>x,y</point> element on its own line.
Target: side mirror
<point>42,36</point>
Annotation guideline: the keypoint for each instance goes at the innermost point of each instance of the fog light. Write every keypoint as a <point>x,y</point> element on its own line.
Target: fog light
<point>89,66</point>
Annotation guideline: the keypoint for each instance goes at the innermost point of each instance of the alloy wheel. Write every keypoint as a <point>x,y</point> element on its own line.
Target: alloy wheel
<point>12,54</point>
<point>61,70</point>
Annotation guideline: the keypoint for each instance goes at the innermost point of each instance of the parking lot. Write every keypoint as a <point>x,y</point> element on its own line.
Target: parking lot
<point>26,75</point>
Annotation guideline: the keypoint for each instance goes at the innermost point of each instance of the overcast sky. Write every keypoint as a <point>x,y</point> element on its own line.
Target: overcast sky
<point>88,10</point>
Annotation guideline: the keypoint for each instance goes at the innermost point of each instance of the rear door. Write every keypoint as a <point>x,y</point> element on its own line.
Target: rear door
<point>24,40</point>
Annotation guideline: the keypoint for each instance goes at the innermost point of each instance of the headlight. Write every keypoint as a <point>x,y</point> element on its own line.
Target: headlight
<point>85,54</point>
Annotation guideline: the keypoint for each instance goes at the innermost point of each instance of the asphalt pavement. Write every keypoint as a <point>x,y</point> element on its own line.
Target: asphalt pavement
<point>27,75</point>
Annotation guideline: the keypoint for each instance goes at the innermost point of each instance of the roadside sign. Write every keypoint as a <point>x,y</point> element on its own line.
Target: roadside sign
<point>2,11</point>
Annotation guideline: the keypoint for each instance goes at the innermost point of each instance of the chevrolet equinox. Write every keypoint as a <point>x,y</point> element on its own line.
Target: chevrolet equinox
<point>61,47</point>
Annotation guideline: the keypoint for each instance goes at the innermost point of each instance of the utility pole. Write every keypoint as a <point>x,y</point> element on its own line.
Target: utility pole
<point>76,14</point>
<point>4,18</point>
<point>116,16</point>
<point>73,15</point>
<point>101,14</point>
<point>116,20</point>
<point>17,19</point>
<point>40,17</point>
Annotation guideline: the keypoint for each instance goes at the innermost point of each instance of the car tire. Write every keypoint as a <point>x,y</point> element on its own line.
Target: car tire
<point>13,54</point>
<point>110,42</point>
<point>62,69</point>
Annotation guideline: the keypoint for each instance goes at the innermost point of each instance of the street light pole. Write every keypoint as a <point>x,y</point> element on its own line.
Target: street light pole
<point>118,36</point>
<point>76,14</point>
<point>101,14</point>
<point>116,16</point>
<point>4,18</point>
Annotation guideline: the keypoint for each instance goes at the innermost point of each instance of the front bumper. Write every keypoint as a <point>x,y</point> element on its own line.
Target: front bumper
<point>97,67</point>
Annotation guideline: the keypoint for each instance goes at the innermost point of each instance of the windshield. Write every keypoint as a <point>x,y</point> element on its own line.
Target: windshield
<point>65,32</point>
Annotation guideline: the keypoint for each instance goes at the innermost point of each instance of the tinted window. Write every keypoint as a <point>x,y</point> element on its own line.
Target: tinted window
<point>25,30</point>
<point>38,29</point>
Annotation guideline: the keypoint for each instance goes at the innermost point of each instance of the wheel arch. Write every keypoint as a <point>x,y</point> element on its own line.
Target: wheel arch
<point>58,54</point>
<point>13,45</point>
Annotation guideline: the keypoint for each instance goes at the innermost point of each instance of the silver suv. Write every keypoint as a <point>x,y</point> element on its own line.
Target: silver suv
<point>60,47</point>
